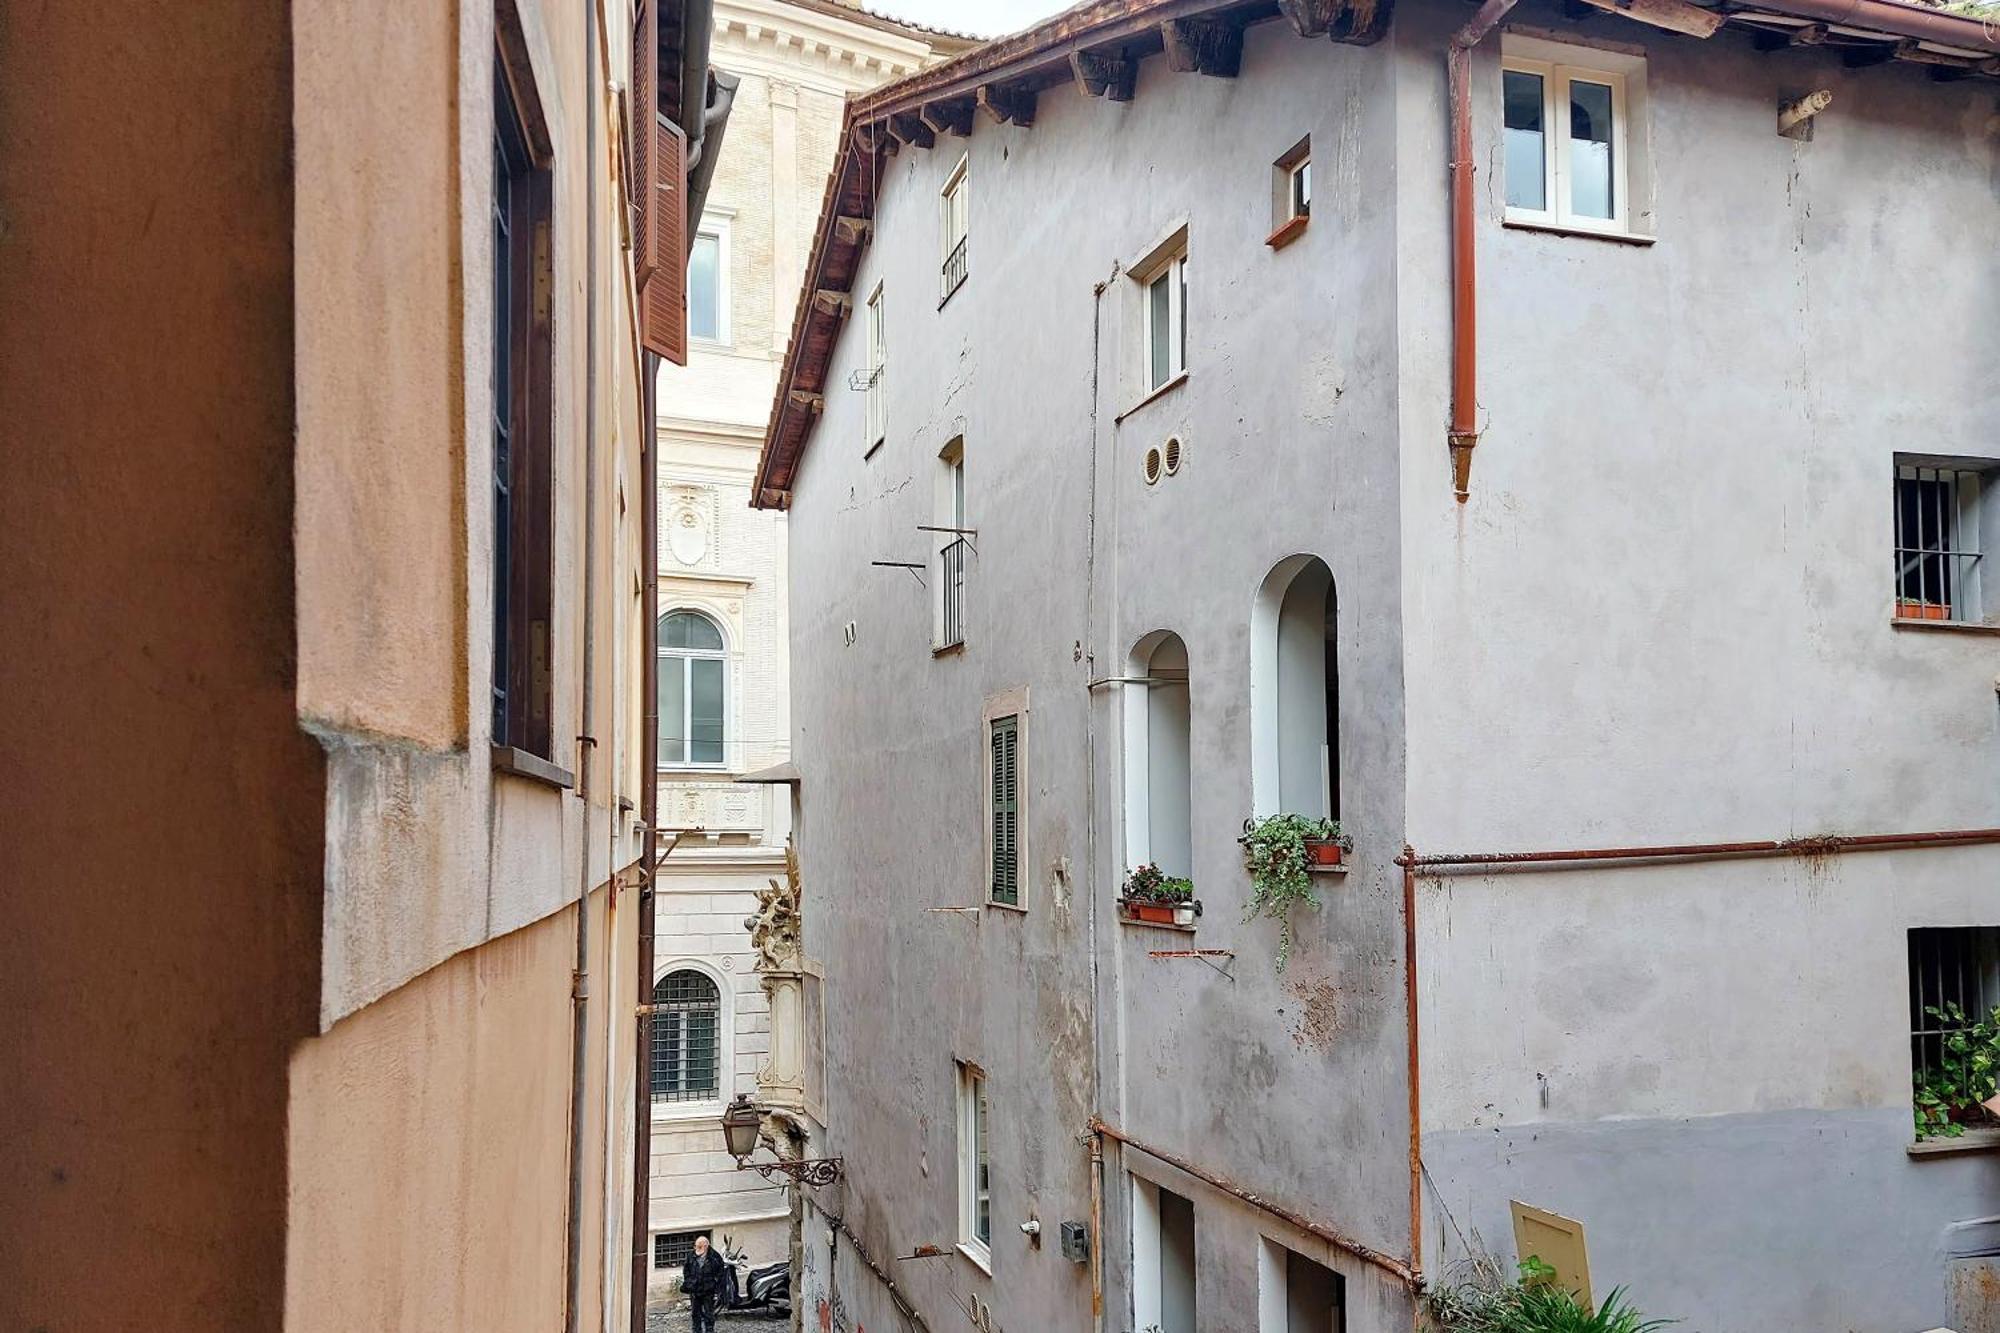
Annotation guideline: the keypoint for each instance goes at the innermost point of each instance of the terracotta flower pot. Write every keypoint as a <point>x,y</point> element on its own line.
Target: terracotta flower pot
<point>1909,609</point>
<point>1323,851</point>
<point>1160,914</point>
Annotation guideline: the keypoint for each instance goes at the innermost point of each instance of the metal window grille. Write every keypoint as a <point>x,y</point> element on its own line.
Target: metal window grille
<point>952,559</point>
<point>954,268</point>
<point>509,165</point>
<point>671,1249</point>
<point>1006,747</point>
<point>1949,966</point>
<point>687,1055</point>
<point>1937,543</point>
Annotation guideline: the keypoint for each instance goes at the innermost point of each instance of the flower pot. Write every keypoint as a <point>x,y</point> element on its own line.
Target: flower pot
<point>1911,609</point>
<point>1323,852</point>
<point>1184,914</point>
<point>1160,914</point>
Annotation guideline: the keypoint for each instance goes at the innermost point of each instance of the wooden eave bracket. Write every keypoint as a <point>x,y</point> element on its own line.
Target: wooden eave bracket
<point>1203,45</point>
<point>811,402</point>
<point>1310,18</point>
<point>1795,119</point>
<point>1007,106</point>
<point>907,127</point>
<point>838,304</point>
<point>1671,15</point>
<point>1108,74</point>
<point>1806,34</point>
<point>853,230</point>
<point>952,117</point>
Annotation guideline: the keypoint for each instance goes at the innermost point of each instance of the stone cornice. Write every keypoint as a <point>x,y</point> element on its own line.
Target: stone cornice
<point>776,40</point>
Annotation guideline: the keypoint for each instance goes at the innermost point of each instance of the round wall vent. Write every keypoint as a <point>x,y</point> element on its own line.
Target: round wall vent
<point>1171,455</point>
<point>1153,466</point>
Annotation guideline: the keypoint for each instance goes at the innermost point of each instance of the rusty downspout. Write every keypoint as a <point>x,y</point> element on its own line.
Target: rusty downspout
<point>1832,844</point>
<point>1096,1229</point>
<point>649,818</point>
<point>1408,861</point>
<point>1464,433</point>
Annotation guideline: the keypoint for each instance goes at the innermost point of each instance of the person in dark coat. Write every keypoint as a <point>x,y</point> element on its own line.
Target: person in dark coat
<point>702,1279</point>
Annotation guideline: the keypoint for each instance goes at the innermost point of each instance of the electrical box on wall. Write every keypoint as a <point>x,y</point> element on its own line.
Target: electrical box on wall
<point>1075,1242</point>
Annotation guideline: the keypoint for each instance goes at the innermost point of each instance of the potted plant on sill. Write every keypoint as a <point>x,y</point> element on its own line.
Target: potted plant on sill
<point>1281,852</point>
<point>1960,1091</point>
<point>1154,896</point>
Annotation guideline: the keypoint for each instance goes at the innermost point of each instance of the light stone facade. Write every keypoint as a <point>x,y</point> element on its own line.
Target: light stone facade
<point>797,64</point>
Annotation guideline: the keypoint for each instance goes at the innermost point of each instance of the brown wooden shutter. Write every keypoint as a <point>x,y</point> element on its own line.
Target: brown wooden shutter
<point>645,110</point>
<point>663,297</point>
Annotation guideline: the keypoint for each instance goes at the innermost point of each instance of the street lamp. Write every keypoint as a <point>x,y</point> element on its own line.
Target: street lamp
<point>742,1127</point>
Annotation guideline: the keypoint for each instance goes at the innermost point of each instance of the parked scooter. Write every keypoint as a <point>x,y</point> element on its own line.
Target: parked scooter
<point>766,1290</point>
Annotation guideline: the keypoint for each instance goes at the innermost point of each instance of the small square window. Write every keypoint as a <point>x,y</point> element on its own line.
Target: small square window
<point>1291,194</point>
<point>671,1249</point>
<point>1954,1005</point>
<point>1569,149</point>
<point>1946,512</point>
<point>975,1181</point>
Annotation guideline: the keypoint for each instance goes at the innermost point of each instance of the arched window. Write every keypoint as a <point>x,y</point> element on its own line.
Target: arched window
<point>687,1028</point>
<point>1295,692</point>
<point>1158,774</point>
<point>693,676</point>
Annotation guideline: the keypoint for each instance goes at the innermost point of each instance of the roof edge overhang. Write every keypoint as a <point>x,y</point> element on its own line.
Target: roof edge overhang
<point>1097,44</point>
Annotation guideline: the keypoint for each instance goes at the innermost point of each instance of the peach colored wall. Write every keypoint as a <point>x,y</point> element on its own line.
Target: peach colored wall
<point>161,813</point>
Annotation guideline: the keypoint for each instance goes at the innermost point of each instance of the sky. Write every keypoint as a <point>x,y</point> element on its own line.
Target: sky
<point>981,18</point>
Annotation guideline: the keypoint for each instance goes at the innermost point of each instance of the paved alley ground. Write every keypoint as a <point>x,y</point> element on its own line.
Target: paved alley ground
<point>675,1320</point>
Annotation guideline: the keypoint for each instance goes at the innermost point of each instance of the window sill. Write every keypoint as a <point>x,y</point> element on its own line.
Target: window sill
<point>1587,233</point>
<point>1948,626</point>
<point>948,649</point>
<point>675,1113</point>
<point>692,770</point>
<point>1124,920</point>
<point>1973,1140</point>
<point>1160,392</point>
<point>1288,231</point>
<point>981,1256</point>
<point>1006,907</point>
<point>1340,869</point>
<point>514,760</point>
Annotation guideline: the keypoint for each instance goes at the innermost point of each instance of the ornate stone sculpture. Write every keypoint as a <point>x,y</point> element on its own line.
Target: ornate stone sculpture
<point>774,926</point>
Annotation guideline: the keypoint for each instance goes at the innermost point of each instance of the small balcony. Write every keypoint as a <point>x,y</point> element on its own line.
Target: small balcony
<point>954,271</point>
<point>951,589</point>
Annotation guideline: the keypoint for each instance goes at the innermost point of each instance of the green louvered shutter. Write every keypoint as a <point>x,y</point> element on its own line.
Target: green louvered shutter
<point>1006,745</point>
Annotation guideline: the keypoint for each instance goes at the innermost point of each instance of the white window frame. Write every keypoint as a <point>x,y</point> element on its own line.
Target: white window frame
<point>1557,66</point>
<point>717,227</point>
<point>974,1132</point>
<point>954,225</point>
<point>1174,274</point>
<point>725,1042</point>
<point>950,508</point>
<point>877,347</point>
<point>721,655</point>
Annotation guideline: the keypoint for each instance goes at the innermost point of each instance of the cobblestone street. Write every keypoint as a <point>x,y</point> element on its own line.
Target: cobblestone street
<point>674,1319</point>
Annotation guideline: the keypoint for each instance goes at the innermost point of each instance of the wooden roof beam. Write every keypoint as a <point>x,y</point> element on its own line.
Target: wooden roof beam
<point>1107,74</point>
<point>1361,22</point>
<point>910,129</point>
<point>1807,34</point>
<point>952,117</point>
<point>1007,106</point>
<point>1879,53</point>
<point>1203,45</point>
<point>1310,18</point>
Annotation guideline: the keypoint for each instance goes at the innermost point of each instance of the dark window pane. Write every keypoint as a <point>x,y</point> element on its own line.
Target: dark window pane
<point>705,710</point>
<point>673,709</point>
<point>1526,144</point>
<point>1590,164</point>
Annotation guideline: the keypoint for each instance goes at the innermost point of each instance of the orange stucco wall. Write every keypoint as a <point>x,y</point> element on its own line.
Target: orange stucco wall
<point>161,813</point>
<point>430,1141</point>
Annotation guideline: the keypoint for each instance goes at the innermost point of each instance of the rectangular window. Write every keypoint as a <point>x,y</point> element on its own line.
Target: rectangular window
<point>1565,137</point>
<point>1166,322</point>
<point>878,365</point>
<point>708,284</point>
<point>671,1249</point>
<point>1163,1259</point>
<point>1942,514</point>
<point>1291,194</point>
<point>1004,747</point>
<point>975,1186</point>
<point>1954,1028</point>
<point>523,377</point>
<point>1296,1294</point>
<point>953,211</point>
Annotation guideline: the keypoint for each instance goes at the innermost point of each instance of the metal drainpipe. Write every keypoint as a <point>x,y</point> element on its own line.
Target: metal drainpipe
<point>1414,1080</point>
<point>649,813</point>
<point>1464,433</point>
<point>586,742</point>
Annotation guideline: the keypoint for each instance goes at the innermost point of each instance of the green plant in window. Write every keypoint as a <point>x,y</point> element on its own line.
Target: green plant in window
<point>1274,850</point>
<point>1150,884</point>
<point>1949,1095</point>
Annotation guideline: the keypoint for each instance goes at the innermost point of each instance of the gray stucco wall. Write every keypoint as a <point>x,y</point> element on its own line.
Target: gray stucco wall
<point>1663,616</point>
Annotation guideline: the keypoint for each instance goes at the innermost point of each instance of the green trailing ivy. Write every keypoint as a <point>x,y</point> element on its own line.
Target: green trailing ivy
<point>1274,850</point>
<point>1948,1096</point>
